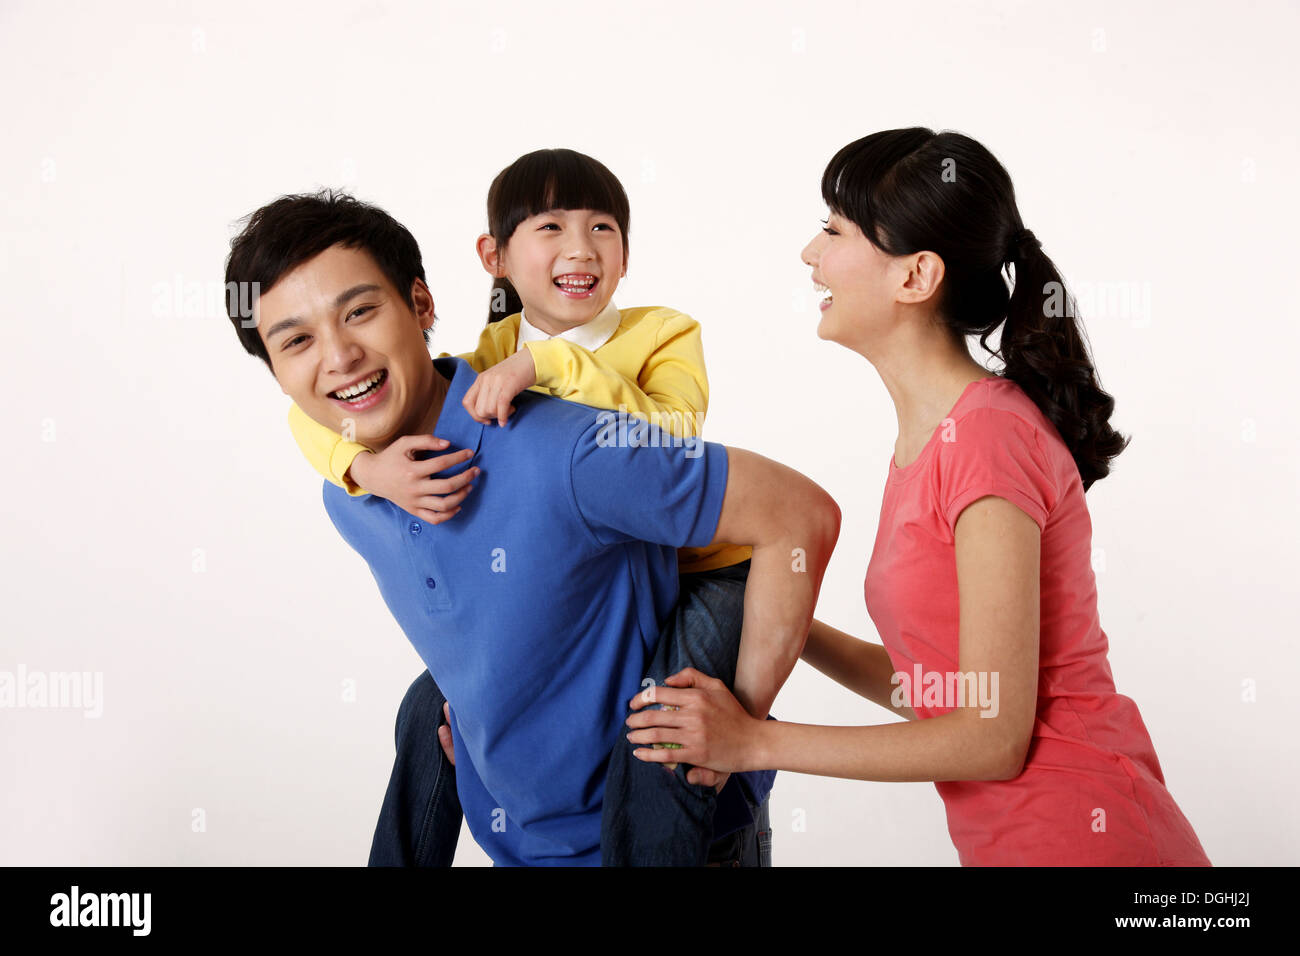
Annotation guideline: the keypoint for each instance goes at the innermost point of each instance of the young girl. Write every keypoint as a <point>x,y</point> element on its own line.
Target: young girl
<point>980,583</point>
<point>558,239</point>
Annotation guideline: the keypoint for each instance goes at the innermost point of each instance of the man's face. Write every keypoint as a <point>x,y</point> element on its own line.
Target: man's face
<point>335,324</point>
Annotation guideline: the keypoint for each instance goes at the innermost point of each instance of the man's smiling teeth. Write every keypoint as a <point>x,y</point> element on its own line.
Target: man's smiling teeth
<point>347,394</point>
<point>576,283</point>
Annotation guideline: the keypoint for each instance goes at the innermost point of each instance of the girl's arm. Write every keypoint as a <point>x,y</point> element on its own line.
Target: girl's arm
<point>672,384</point>
<point>862,667</point>
<point>394,473</point>
<point>667,386</point>
<point>997,551</point>
<point>326,450</point>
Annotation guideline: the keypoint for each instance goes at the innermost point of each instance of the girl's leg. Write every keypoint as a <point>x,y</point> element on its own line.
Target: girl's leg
<point>653,817</point>
<point>419,823</point>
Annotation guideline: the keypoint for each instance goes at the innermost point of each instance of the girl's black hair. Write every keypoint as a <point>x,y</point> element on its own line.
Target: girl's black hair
<point>538,182</point>
<point>910,190</point>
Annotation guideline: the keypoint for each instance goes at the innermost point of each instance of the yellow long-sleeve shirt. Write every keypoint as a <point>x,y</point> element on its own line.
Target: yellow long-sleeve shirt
<point>652,365</point>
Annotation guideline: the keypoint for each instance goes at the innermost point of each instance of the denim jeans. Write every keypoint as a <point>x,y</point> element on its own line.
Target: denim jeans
<point>419,822</point>
<point>651,816</point>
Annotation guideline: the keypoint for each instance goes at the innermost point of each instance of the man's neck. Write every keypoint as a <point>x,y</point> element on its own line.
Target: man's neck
<point>436,394</point>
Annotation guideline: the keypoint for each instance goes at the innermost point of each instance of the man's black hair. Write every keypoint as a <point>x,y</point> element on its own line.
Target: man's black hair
<point>283,234</point>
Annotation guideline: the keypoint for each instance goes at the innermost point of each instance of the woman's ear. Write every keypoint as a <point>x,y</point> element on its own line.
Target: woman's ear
<point>923,277</point>
<point>490,256</point>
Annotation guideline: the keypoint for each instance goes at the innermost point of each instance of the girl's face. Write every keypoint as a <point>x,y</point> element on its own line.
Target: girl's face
<point>857,282</point>
<point>565,264</point>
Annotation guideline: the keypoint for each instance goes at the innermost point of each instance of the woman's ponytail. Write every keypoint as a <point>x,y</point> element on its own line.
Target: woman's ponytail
<point>1043,350</point>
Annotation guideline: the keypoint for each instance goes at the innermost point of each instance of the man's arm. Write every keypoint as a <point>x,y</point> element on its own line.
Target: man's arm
<point>792,525</point>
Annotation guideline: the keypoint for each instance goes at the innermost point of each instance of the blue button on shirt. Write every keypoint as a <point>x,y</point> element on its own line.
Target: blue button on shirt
<point>538,607</point>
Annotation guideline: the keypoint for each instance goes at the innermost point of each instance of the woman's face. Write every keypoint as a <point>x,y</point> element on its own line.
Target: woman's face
<point>857,282</point>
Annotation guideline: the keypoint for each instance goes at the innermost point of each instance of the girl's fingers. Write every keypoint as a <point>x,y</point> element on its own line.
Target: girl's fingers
<point>410,443</point>
<point>446,486</point>
<point>443,503</point>
<point>432,466</point>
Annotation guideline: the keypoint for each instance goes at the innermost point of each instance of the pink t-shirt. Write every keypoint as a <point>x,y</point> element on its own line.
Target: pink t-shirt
<point>1091,792</point>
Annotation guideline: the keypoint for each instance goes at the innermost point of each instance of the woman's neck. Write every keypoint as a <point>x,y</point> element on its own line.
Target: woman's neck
<point>925,371</point>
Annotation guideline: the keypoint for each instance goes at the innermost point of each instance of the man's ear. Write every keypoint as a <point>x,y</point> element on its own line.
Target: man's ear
<point>924,274</point>
<point>490,256</point>
<point>422,301</point>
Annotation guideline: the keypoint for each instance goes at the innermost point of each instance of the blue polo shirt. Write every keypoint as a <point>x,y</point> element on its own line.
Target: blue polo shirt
<point>538,608</point>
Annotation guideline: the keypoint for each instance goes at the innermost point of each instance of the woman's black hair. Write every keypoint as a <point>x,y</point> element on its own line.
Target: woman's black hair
<point>538,182</point>
<point>910,190</point>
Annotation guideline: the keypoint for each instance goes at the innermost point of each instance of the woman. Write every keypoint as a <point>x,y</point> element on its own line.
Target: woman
<point>980,583</point>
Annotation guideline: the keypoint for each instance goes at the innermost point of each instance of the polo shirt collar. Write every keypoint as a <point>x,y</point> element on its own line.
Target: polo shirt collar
<point>590,336</point>
<point>454,423</point>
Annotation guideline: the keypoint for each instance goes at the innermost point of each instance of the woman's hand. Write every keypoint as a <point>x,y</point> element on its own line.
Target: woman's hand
<point>714,730</point>
<point>396,475</point>
<point>493,391</point>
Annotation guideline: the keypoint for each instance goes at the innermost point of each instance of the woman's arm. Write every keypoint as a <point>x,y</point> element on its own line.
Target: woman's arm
<point>862,667</point>
<point>997,554</point>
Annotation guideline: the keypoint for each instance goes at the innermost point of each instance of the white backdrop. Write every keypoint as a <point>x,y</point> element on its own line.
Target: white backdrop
<point>161,530</point>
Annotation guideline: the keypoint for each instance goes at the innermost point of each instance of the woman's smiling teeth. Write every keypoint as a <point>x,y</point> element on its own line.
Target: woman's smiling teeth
<point>824,292</point>
<point>361,389</point>
<point>576,283</point>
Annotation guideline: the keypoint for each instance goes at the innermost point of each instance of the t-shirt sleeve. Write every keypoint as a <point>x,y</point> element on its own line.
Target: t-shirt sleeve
<point>991,451</point>
<point>647,492</point>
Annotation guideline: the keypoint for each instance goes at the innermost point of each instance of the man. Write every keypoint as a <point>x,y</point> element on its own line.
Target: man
<point>538,609</point>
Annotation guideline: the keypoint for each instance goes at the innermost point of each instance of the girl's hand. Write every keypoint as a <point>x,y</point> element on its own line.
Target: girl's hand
<point>492,392</point>
<point>396,475</point>
<point>715,732</point>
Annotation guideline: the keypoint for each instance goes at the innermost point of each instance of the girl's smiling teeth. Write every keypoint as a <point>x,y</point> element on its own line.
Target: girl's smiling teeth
<point>363,389</point>
<point>577,285</point>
